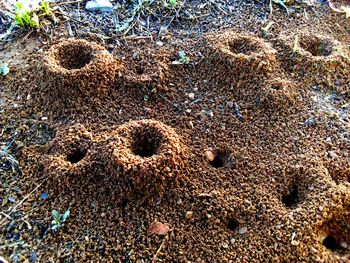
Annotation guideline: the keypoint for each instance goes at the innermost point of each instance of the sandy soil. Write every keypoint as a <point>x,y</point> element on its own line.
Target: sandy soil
<point>241,155</point>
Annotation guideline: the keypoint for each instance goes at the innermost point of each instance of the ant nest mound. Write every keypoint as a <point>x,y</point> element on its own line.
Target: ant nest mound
<point>146,155</point>
<point>335,232</point>
<point>69,154</point>
<point>76,67</point>
<point>319,57</point>
<point>278,94</point>
<point>236,54</point>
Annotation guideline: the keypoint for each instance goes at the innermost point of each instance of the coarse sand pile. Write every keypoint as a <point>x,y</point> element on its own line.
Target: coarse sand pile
<point>225,151</point>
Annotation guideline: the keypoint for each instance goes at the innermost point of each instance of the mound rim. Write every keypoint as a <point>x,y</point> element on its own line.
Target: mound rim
<point>146,155</point>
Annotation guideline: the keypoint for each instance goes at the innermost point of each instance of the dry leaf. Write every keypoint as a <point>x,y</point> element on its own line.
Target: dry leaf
<point>158,228</point>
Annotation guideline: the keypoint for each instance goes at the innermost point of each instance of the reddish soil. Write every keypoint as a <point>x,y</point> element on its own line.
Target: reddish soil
<point>243,153</point>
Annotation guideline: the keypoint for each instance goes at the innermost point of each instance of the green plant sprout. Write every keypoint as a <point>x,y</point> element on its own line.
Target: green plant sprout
<point>45,8</point>
<point>265,29</point>
<point>150,92</point>
<point>172,3</point>
<point>183,58</point>
<point>4,70</point>
<point>59,219</point>
<point>26,17</point>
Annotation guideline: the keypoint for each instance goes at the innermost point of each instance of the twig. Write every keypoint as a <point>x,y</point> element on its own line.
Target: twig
<point>20,203</point>
<point>68,3</point>
<point>158,251</point>
<point>173,104</point>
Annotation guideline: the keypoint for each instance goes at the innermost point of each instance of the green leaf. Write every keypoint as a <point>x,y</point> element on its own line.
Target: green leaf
<point>65,215</point>
<point>183,58</point>
<point>19,5</point>
<point>4,70</point>
<point>265,29</point>
<point>34,20</point>
<point>56,215</point>
<point>45,7</point>
<point>172,3</point>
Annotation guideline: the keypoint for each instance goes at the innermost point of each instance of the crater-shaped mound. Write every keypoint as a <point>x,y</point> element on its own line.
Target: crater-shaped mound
<point>234,55</point>
<point>69,153</point>
<point>317,46</point>
<point>313,58</point>
<point>78,68</point>
<point>336,234</point>
<point>278,94</point>
<point>146,155</point>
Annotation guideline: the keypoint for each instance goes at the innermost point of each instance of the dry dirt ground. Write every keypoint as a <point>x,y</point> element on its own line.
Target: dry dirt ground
<point>240,154</point>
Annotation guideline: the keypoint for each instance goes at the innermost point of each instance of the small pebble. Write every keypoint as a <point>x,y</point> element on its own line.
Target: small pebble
<point>191,95</point>
<point>242,230</point>
<point>344,245</point>
<point>189,214</point>
<point>229,104</point>
<point>99,5</point>
<point>210,155</point>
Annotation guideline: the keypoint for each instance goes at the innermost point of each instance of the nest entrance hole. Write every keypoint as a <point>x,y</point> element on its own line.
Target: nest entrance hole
<point>292,197</point>
<point>74,56</point>
<point>232,224</point>
<point>76,156</point>
<point>317,46</point>
<point>221,159</point>
<point>243,46</point>
<point>146,144</point>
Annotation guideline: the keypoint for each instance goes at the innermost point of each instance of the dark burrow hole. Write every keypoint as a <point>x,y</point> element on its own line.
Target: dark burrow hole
<point>140,70</point>
<point>243,46</point>
<point>76,156</point>
<point>317,46</point>
<point>74,56</point>
<point>218,161</point>
<point>232,224</point>
<point>221,159</point>
<point>338,234</point>
<point>146,145</point>
<point>276,87</point>
<point>330,243</point>
<point>292,198</point>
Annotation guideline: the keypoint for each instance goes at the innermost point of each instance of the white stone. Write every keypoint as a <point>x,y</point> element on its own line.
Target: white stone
<point>99,5</point>
<point>191,96</point>
<point>243,230</point>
